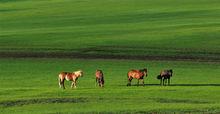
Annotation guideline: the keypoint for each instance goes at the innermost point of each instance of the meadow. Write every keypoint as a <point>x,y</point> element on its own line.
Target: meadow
<point>41,38</point>
<point>31,86</point>
<point>182,29</point>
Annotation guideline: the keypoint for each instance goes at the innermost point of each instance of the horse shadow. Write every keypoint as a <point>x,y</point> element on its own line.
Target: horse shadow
<point>213,84</point>
<point>195,85</point>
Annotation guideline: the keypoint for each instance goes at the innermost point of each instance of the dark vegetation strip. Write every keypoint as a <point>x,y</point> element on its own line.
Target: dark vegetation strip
<point>167,111</point>
<point>163,100</point>
<point>105,56</point>
<point>41,101</point>
<point>12,103</point>
<point>6,1</point>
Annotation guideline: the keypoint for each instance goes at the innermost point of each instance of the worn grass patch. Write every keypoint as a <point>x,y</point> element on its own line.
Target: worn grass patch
<point>41,101</point>
<point>165,100</point>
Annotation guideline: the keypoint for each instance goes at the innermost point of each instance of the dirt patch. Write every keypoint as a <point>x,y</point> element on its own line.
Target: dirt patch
<point>41,101</point>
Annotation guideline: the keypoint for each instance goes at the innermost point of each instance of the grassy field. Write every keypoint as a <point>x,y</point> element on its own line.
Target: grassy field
<point>40,38</point>
<point>171,28</point>
<point>31,86</point>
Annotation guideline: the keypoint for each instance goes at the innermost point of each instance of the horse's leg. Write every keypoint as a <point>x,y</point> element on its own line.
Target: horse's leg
<point>63,84</point>
<point>74,83</point>
<point>161,81</point>
<point>129,81</point>
<point>168,81</point>
<point>59,80</point>
<point>165,81</point>
<point>96,81</point>
<point>100,82</point>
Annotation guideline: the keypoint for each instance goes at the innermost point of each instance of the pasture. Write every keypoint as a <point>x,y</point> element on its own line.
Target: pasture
<point>111,29</point>
<point>41,38</point>
<point>31,86</point>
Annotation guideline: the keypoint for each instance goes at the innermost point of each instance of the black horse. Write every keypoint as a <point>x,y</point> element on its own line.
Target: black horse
<point>164,76</point>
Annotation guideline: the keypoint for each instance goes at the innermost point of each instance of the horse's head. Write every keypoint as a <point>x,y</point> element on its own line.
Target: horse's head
<point>144,71</point>
<point>79,73</point>
<point>159,77</point>
<point>97,70</point>
<point>171,72</point>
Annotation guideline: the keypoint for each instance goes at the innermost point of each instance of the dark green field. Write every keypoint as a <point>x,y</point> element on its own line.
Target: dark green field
<point>41,38</point>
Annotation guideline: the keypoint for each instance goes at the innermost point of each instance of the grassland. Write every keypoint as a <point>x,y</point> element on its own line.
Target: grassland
<point>40,38</point>
<point>31,86</point>
<point>181,29</point>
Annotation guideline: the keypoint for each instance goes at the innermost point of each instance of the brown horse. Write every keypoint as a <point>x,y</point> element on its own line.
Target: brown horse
<point>99,78</point>
<point>164,76</point>
<point>69,77</point>
<point>138,74</point>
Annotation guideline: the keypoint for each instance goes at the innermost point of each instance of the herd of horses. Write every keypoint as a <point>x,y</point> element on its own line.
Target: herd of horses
<point>164,77</point>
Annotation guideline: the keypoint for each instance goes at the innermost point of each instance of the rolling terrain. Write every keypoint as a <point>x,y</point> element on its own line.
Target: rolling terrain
<point>41,38</point>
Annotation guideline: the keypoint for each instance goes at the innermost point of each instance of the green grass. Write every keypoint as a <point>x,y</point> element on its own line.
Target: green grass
<point>131,27</point>
<point>121,29</point>
<point>31,86</point>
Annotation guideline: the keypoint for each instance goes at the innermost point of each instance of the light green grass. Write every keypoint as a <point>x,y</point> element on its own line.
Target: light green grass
<point>195,87</point>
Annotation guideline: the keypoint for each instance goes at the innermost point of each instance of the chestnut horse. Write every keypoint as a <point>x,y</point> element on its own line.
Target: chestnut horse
<point>138,74</point>
<point>69,77</point>
<point>99,78</point>
<point>164,76</point>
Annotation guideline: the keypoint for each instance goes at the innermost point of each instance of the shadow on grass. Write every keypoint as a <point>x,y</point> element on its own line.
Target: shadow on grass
<point>194,85</point>
<point>165,100</point>
<point>175,85</point>
<point>41,101</point>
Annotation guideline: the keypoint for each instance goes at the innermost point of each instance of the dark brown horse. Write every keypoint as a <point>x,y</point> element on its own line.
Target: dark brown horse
<point>164,76</point>
<point>99,78</point>
<point>137,74</point>
<point>69,77</point>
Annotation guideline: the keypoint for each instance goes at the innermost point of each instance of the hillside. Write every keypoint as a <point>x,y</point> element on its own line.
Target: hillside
<point>125,29</point>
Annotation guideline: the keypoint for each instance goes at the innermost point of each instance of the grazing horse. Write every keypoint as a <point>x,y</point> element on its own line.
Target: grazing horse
<point>138,74</point>
<point>69,77</point>
<point>164,76</point>
<point>99,78</point>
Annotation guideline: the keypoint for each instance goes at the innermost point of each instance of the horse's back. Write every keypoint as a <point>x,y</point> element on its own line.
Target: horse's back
<point>62,74</point>
<point>66,75</point>
<point>134,73</point>
<point>165,73</point>
<point>99,73</point>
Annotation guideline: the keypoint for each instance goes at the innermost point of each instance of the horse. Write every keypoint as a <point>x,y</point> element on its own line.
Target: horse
<point>164,76</point>
<point>138,74</point>
<point>99,78</point>
<point>69,77</point>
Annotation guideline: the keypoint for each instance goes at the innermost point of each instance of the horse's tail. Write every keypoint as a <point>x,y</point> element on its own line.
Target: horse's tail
<point>128,74</point>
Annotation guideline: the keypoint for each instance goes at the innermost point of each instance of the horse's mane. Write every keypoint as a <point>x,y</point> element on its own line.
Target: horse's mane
<point>79,72</point>
<point>142,70</point>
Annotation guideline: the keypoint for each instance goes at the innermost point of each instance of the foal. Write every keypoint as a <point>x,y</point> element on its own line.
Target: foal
<point>69,77</point>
